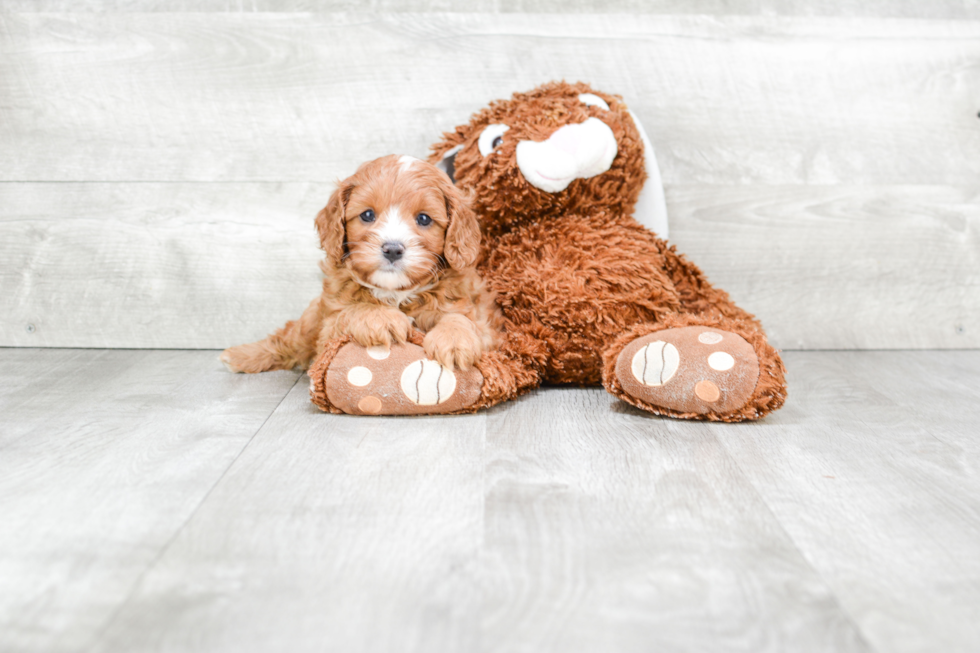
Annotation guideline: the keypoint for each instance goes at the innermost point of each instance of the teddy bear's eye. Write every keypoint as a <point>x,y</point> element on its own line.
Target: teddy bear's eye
<point>367,216</point>
<point>491,138</point>
<point>593,100</point>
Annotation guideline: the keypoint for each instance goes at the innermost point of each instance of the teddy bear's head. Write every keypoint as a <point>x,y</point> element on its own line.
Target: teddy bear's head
<point>560,148</point>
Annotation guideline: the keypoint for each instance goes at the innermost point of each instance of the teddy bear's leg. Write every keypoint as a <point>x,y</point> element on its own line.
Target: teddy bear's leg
<point>718,369</point>
<point>696,294</point>
<point>402,380</point>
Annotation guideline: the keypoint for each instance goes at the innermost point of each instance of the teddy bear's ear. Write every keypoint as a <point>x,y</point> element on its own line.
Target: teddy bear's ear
<point>651,205</point>
<point>463,233</point>
<point>448,162</point>
<point>330,223</point>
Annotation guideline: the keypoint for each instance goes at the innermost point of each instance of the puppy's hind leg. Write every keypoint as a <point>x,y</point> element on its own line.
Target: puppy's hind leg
<point>294,345</point>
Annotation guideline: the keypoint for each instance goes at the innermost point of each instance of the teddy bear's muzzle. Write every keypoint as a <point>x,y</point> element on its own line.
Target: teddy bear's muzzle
<point>572,152</point>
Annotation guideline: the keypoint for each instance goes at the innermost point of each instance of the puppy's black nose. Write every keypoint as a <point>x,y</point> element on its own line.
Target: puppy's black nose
<point>393,251</point>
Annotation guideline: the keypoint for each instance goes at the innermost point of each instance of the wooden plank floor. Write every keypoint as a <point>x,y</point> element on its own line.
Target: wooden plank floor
<point>150,501</point>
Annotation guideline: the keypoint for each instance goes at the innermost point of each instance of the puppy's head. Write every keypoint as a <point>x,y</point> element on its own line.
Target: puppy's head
<point>396,222</point>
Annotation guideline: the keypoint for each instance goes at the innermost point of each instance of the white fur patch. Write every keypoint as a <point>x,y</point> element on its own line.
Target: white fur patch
<point>389,277</point>
<point>406,162</point>
<point>383,288</point>
<point>385,284</point>
<point>572,152</point>
<point>394,297</point>
<point>394,228</point>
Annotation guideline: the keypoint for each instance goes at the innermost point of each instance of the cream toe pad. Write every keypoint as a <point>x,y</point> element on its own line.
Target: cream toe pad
<point>379,352</point>
<point>427,383</point>
<point>710,338</point>
<point>359,376</point>
<point>721,361</point>
<point>655,363</point>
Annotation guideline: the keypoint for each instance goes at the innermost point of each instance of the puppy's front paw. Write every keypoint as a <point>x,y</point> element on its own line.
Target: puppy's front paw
<point>454,343</point>
<point>380,326</point>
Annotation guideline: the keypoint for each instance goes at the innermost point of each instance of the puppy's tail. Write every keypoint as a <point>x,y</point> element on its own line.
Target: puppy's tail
<point>292,346</point>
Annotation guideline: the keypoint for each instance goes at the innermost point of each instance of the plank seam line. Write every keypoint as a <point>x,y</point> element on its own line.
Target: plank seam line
<point>166,546</point>
<point>796,546</point>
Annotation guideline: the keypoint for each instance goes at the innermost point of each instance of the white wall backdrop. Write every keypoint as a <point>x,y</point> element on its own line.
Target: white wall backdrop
<point>160,168</point>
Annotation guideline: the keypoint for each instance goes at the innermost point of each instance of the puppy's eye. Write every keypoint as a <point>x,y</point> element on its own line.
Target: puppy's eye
<point>491,138</point>
<point>367,216</point>
<point>423,220</point>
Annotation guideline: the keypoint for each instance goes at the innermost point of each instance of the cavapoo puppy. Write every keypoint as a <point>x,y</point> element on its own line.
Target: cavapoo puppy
<point>401,243</point>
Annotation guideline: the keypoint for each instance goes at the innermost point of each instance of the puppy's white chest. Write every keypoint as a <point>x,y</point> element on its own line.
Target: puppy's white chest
<point>394,297</point>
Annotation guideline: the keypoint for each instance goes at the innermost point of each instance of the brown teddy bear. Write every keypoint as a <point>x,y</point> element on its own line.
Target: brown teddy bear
<point>588,295</point>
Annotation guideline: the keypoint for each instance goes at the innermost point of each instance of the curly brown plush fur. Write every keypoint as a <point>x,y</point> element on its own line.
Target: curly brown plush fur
<point>574,274</point>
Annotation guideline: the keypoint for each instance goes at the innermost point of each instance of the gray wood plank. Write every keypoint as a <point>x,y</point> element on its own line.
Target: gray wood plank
<point>871,8</point>
<point>567,521</point>
<point>104,455</point>
<point>155,265</point>
<point>612,530</point>
<point>842,267</point>
<point>301,97</point>
<point>873,468</point>
<point>212,265</point>
<point>330,533</point>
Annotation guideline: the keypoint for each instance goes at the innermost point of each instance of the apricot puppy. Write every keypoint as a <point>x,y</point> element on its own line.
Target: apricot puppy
<point>401,245</point>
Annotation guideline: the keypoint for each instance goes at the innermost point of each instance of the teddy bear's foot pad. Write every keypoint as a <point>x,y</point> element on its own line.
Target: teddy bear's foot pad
<point>397,380</point>
<point>690,370</point>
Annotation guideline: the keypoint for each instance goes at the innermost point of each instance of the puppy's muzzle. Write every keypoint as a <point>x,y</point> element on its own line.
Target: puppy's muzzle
<point>393,251</point>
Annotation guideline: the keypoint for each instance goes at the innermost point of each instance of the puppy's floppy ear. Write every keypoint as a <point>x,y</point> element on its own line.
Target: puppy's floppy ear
<point>463,234</point>
<point>330,223</point>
